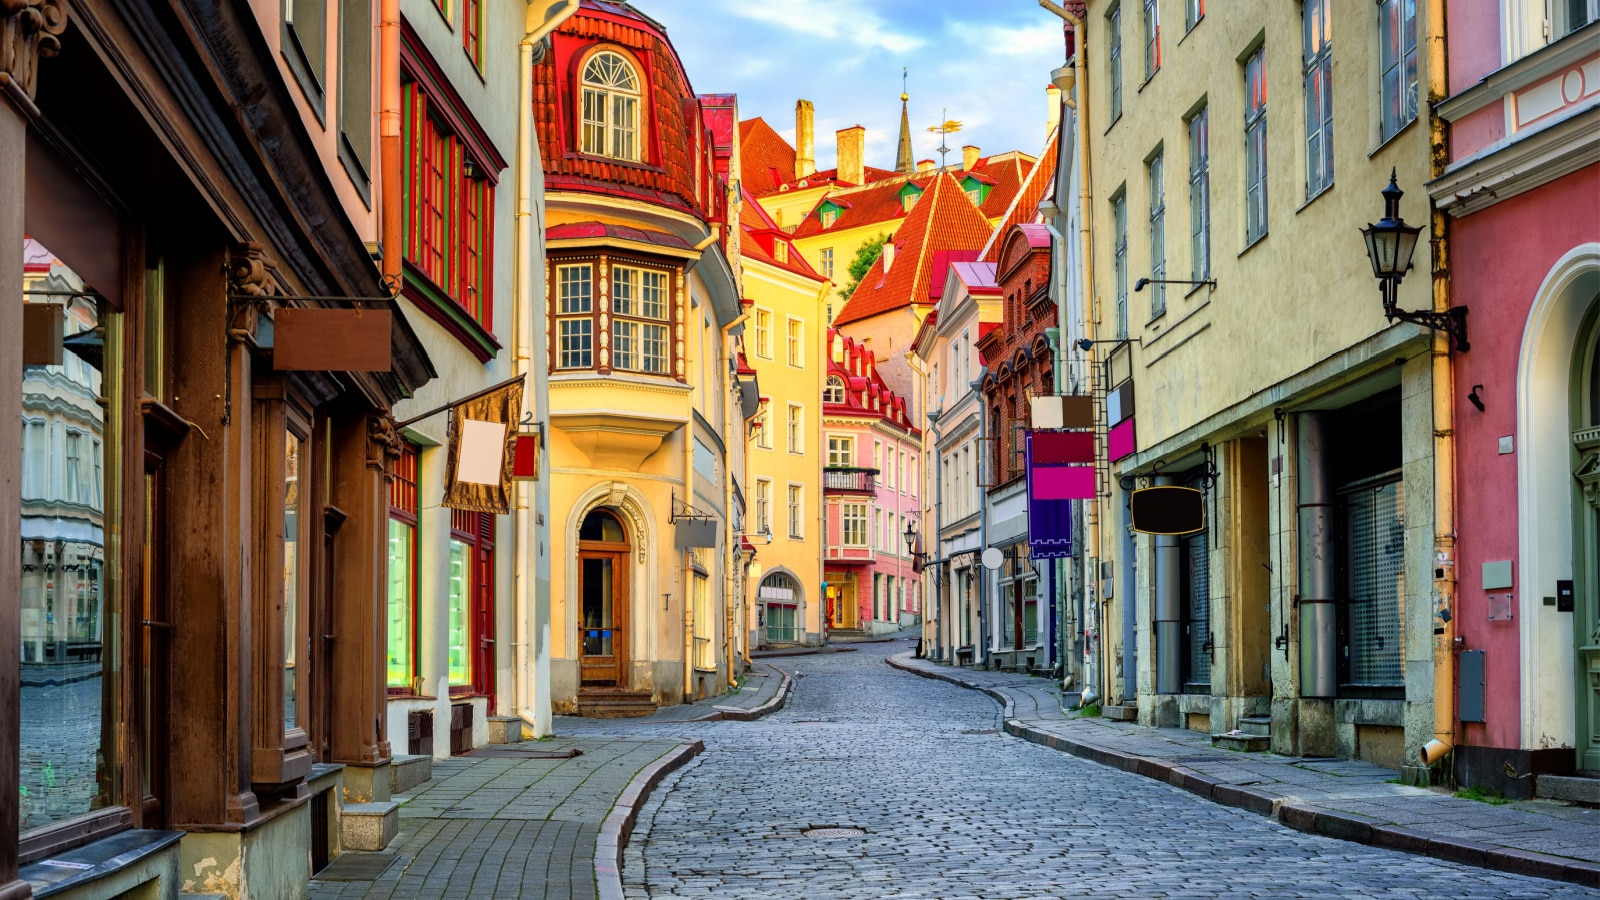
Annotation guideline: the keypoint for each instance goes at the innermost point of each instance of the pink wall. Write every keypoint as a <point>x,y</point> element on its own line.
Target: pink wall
<point>1500,257</point>
<point>1474,44</point>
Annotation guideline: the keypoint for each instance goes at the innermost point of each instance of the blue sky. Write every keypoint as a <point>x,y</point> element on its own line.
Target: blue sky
<point>987,61</point>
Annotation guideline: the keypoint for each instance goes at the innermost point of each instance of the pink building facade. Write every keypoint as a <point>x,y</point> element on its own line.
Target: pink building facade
<point>871,476</point>
<point>1522,196</point>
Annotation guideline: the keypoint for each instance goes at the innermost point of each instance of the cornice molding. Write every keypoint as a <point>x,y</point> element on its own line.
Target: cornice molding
<point>1518,164</point>
<point>30,30</point>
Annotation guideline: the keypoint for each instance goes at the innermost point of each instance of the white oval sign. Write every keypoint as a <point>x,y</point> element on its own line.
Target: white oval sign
<point>993,558</point>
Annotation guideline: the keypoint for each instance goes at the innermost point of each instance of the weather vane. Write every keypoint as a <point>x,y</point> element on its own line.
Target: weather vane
<point>949,127</point>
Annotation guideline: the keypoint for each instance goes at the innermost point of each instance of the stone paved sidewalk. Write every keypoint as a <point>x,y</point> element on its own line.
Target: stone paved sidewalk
<point>1340,798</point>
<point>763,691</point>
<point>511,826</point>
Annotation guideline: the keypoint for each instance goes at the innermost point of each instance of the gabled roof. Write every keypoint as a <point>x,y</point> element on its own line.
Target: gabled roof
<point>878,203</point>
<point>978,277</point>
<point>865,392</point>
<point>1024,205</point>
<point>944,219</point>
<point>766,161</point>
<point>761,237</point>
<point>942,260</point>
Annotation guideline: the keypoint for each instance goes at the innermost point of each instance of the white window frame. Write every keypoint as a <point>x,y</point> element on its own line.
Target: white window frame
<point>841,451</point>
<point>796,498</point>
<point>613,124</point>
<point>826,262</point>
<point>763,332</point>
<point>1114,61</point>
<point>1119,256</point>
<point>797,429</point>
<point>763,505</point>
<point>1158,234</point>
<point>795,341</point>
<point>1200,194</point>
<point>853,525</point>
<point>1255,149</point>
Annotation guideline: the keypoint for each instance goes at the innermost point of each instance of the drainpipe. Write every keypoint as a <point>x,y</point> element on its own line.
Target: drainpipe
<point>1091,511</point>
<point>389,204</point>
<point>1166,572</point>
<point>1444,468</point>
<point>981,644</point>
<point>1319,625</point>
<point>938,529</point>
<point>532,687</point>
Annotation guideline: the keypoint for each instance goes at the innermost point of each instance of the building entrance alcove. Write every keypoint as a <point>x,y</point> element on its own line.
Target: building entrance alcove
<point>604,607</point>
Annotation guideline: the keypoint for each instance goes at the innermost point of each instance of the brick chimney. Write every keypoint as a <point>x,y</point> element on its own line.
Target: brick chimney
<point>969,157</point>
<point>888,254</point>
<point>805,150</point>
<point>925,165</point>
<point>852,153</point>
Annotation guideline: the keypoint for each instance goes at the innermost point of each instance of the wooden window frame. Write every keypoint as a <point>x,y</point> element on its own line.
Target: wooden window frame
<point>608,94</point>
<point>404,508</point>
<point>477,531</point>
<point>603,320</point>
<point>279,755</point>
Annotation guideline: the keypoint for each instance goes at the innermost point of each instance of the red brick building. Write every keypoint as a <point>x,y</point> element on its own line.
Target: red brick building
<point>1017,360</point>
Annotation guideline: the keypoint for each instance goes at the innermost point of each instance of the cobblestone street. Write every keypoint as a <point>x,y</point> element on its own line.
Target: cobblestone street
<point>859,745</point>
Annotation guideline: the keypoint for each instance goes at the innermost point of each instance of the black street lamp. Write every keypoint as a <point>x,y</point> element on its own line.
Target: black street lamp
<point>1390,244</point>
<point>911,543</point>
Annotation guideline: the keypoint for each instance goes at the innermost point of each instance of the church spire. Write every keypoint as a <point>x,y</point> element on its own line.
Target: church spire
<point>903,163</point>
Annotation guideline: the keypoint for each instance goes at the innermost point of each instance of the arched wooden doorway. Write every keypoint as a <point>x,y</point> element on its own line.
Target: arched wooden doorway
<point>603,550</point>
<point>1581,596</point>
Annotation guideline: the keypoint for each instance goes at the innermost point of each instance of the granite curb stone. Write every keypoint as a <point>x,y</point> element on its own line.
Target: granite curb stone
<point>618,824</point>
<point>1293,814</point>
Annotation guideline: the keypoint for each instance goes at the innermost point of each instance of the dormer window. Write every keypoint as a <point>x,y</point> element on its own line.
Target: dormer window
<point>780,251</point>
<point>907,201</point>
<point>829,216</point>
<point>611,107</point>
<point>835,390</point>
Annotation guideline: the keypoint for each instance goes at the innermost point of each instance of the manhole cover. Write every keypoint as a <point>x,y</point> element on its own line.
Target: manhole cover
<point>981,731</point>
<point>833,831</point>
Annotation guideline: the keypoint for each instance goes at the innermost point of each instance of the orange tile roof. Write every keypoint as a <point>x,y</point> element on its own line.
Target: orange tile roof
<point>944,219</point>
<point>877,203</point>
<point>766,161</point>
<point>1024,206</point>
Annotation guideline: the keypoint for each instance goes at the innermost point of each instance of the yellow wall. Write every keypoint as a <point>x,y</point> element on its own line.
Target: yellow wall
<point>784,294</point>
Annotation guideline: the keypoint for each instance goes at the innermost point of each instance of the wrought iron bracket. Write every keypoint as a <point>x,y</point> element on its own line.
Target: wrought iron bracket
<point>682,510</point>
<point>1452,321</point>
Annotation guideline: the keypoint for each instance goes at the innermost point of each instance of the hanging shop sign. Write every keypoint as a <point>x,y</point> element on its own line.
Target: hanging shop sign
<point>1050,519</point>
<point>482,450</point>
<point>332,340</point>
<point>1168,509</point>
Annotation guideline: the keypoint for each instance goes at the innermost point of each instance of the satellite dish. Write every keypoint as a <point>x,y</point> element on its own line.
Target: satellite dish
<point>1168,509</point>
<point>993,558</point>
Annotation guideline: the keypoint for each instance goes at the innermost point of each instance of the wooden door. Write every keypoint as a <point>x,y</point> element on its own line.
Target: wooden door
<point>483,633</point>
<point>603,617</point>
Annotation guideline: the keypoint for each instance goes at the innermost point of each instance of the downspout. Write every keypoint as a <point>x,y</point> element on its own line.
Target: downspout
<point>1444,450</point>
<point>532,700</point>
<point>390,211</point>
<point>981,644</point>
<point>1091,511</point>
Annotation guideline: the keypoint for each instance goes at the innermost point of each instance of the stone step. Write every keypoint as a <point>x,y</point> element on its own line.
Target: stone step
<point>612,703</point>
<point>368,826</point>
<point>1239,740</point>
<point>409,771</point>
<point>1120,713</point>
<point>1572,788</point>
<point>505,729</point>
<point>1259,726</point>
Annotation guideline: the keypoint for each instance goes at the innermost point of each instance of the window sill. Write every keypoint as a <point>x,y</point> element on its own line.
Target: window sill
<point>1114,120</point>
<point>1253,244</point>
<point>1147,79</point>
<point>1384,144</point>
<point>1327,189</point>
<point>1196,287</point>
<point>100,859</point>
<point>407,694</point>
<point>450,316</point>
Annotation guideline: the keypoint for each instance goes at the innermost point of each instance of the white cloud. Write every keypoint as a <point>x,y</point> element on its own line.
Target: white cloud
<point>835,20</point>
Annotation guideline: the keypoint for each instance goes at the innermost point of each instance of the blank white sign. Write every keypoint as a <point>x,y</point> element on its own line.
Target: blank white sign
<point>481,456</point>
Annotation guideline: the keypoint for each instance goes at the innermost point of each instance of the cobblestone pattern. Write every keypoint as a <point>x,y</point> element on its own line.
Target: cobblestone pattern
<point>1340,797</point>
<point>506,827</point>
<point>954,808</point>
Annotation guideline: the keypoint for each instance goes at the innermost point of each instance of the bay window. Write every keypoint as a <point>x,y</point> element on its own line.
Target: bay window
<point>627,328</point>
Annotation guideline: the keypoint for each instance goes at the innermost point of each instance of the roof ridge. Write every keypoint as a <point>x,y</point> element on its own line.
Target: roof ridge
<point>1050,141</point>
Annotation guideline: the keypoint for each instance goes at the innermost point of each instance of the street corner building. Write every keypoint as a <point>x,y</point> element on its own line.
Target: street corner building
<point>191,658</point>
<point>646,431</point>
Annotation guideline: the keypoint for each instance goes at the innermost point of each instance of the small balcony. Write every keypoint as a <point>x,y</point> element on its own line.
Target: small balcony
<point>849,480</point>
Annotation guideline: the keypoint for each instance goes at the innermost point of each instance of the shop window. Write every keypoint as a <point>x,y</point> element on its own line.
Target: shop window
<point>293,567</point>
<point>450,212</point>
<point>402,601</point>
<point>71,666</point>
<point>610,104</point>
<point>1374,562</point>
<point>470,613</point>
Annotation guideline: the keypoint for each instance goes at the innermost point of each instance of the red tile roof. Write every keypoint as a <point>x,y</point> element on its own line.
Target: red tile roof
<point>944,219</point>
<point>1024,206</point>
<point>762,235</point>
<point>877,203</point>
<point>678,152</point>
<point>766,161</point>
<point>593,230</point>
<point>865,391</point>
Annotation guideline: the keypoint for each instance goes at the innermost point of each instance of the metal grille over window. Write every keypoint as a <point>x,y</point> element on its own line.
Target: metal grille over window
<point>1197,603</point>
<point>1375,544</point>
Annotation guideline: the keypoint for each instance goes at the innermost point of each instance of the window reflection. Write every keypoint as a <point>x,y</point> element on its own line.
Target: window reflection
<point>68,650</point>
<point>291,574</point>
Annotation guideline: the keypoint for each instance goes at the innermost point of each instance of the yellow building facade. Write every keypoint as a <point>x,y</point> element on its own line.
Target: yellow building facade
<point>784,344</point>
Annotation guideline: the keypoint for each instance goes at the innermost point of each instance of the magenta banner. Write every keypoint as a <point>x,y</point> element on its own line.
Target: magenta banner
<point>1063,483</point>
<point>1119,441</point>
<point>1053,448</point>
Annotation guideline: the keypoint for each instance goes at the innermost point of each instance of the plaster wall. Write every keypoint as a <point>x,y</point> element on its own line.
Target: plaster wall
<point>787,294</point>
<point>1505,254</point>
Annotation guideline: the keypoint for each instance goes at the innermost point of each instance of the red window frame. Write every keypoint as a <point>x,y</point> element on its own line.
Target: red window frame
<point>477,531</point>
<point>471,31</point>
<point>403,507</point>
<point>449,210</point>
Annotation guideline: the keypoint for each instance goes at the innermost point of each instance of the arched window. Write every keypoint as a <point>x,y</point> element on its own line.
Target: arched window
<point>601,525</point>
<point>835,391</point>
<point>611,107</point>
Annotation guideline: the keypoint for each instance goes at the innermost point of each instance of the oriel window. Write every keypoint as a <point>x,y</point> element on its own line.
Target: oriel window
<point>610,104</point>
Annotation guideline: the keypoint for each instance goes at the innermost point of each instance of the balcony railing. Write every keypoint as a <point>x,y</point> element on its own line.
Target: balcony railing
<point>842,479</point>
